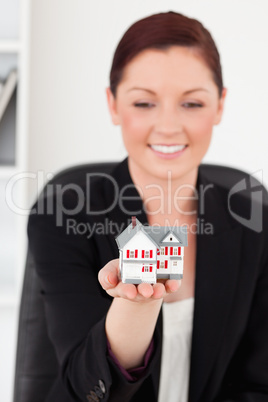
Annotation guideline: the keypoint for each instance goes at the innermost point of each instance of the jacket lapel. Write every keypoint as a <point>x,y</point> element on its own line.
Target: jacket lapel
<point>217,263</point>
<point>122,195</point>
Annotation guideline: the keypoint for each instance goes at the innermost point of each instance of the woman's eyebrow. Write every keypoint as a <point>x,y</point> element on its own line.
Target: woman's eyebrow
<point>141,89</point>
<point>195,90</point>
<point>152,92</point>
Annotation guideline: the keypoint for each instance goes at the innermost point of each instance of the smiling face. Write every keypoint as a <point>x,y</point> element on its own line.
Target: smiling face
<point>166,104</point>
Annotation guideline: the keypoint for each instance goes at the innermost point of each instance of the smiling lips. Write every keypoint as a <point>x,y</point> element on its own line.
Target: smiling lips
<point>168,151</point>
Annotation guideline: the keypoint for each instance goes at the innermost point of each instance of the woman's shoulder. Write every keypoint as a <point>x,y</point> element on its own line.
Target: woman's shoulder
<point>234,182</point>
<point>227,176</point>
<point>74,187</point>
<point>234,195</point>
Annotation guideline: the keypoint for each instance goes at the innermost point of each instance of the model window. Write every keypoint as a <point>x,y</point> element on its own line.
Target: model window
<point>175,250</point>
<point>146,268</point>
<point>147,254</point>
<point>162,264</point>
<point>132,254</point>
<point>162,251</point>
<point>175,263</point>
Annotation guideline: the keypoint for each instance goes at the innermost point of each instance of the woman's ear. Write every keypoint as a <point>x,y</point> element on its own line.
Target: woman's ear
<point>112,105</point>
<point>220,106</point>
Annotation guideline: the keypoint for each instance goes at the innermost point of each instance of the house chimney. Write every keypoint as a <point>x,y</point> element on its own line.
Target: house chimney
<point>133,218</point>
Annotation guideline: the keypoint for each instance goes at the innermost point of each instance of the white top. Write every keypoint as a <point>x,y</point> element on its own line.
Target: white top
<point>176,349</point>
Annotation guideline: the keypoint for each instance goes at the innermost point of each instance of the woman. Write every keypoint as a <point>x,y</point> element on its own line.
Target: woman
<point>200,339</point>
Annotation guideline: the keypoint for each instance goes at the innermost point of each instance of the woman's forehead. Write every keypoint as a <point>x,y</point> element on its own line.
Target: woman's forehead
<point>176,66</point>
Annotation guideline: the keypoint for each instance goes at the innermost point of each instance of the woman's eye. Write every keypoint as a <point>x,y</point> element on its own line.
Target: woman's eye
<point>144,105</point>
<point>192,105</point>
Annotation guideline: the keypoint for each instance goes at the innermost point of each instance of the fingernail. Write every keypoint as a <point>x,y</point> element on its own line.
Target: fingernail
<point>107,280</point>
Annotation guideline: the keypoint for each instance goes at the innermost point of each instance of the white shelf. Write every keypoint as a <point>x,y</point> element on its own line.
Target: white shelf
<point>7,171</point>
<point>14,55</point>
<point>10,46</point>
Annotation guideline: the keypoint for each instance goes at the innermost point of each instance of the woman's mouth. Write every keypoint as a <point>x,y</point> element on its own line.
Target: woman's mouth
<point>168,151</point>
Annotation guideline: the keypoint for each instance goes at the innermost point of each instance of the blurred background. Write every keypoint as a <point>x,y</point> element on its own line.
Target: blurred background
<point>55,57</point>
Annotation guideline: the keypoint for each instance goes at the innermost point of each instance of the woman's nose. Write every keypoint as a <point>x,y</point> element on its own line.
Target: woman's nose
<point>168,121</point>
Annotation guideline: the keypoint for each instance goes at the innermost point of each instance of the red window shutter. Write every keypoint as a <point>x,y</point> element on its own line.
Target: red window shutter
<point>143,269</point>
<point>127,253</point>
<point>136,253</point>
<point>158,251</point>
<point>166,262</point>
<point>151,253</point>
<point>142,254</point>
<point>166,250</point>
<point>151,268</point>
<point>171,250</point>
<point>179,251</point>
<point>158,264</point>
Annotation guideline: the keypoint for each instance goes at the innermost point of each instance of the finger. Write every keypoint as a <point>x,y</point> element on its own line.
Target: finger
<point>123,290</point>
<point>172,285</point>
<point>108,275</point>
<point>127,290</point>
<point>159,290</point>
<point>145,290</point>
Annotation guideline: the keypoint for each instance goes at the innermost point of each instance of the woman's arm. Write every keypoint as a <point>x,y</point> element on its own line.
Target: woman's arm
<point>132,316</point>
<point>129,329</point>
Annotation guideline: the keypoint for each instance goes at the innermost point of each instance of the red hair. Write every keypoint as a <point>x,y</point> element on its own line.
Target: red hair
<point>160,31</point>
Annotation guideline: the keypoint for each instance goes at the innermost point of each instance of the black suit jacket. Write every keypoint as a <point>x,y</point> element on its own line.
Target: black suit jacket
<point>71,239</point>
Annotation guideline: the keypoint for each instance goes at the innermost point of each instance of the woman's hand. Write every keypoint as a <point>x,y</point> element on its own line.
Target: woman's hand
<point>109,278</point>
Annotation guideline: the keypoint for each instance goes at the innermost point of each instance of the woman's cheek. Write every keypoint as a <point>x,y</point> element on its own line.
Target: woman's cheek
<point>203,127</point>
<point>135,124</point>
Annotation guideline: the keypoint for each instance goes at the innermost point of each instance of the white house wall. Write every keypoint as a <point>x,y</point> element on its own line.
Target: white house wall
<point>170,258</point>
<point>139,242</point>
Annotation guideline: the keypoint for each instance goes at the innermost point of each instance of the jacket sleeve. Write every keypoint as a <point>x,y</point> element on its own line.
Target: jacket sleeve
<point>76,306</point>
<point>137,372</point>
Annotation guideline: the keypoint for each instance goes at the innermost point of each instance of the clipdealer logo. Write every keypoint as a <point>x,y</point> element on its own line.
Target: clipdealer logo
<point>253,186</point>
<point>249,187</point>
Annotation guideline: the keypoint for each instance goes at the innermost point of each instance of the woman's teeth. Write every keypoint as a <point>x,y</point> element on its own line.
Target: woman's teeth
<point>168,149</point>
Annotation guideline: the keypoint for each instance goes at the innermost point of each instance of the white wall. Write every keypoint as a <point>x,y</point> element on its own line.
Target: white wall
<point>72,46</point>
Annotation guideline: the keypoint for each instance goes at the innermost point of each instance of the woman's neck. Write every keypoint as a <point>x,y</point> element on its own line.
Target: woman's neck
<point>167,197</point>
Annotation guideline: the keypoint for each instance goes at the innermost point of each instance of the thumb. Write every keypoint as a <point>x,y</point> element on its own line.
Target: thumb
<point>108,275</point>
<point>111,279</point>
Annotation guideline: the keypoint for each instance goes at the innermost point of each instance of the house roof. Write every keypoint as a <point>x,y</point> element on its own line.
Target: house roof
<point>127,234</point>
<point>155,233</point>
<point>159,233</point>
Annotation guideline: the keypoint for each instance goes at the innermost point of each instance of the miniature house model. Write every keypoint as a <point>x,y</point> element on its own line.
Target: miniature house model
<point>148,253</point>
